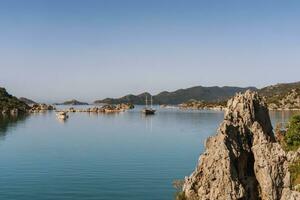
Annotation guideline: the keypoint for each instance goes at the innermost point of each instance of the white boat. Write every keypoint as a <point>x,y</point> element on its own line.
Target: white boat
<point>62,115</point>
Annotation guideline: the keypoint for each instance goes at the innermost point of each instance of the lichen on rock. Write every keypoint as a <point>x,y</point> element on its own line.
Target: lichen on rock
<point>243,160</point>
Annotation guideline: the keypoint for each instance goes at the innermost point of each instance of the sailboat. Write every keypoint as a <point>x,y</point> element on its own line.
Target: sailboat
<point>148,111</point>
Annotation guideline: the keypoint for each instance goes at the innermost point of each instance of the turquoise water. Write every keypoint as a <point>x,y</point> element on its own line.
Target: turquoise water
<point>111,157</point>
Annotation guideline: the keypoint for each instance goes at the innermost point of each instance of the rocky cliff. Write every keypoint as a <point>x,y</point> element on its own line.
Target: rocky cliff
<point>243,160</point>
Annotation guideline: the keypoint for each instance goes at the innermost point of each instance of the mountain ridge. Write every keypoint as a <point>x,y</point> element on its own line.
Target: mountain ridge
<point>200,93</point>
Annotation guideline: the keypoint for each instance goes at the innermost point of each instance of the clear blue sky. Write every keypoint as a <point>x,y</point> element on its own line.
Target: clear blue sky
<point>60,49</point>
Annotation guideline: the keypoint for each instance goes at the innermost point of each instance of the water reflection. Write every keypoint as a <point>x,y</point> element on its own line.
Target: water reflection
<point>148,121</point>
<point>61,120</point>
<point>8,122</point>
<point>281,116</point>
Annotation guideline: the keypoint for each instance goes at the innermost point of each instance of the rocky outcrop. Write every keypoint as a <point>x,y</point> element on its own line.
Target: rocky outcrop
<point>36,108</point>
<point>243,160</point>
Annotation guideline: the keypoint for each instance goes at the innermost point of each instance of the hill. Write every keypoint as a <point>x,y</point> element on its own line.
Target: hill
<point>9,103</point>
<point>279,90</point>
<point>199,93</point>
<point>282,96</point>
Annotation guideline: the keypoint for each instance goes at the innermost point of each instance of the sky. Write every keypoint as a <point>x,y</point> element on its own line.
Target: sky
<point>54,50</point>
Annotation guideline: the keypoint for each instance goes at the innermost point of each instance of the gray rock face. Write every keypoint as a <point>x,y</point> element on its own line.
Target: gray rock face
<point>242,161</point>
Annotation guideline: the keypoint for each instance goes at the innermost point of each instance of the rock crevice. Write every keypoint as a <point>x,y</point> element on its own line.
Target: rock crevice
<point>243,160</point>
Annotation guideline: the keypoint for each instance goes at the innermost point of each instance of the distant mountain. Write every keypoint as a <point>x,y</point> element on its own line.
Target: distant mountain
<point>27,101</point>
<point>8,103</point>
<point>199,93</point>
<point>72,102</point>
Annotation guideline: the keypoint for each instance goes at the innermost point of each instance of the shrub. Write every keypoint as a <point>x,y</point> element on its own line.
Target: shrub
<point>292,136</point>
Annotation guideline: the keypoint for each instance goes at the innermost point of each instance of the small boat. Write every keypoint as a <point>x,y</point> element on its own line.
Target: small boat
<point>62,115</point>
<point>148,111</point>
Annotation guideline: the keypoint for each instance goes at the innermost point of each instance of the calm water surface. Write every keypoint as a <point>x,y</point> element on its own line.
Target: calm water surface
<point>111,157</point>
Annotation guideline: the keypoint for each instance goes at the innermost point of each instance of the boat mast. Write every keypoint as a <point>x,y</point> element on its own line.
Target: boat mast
<point>151,101</point>
<point>146,101</point>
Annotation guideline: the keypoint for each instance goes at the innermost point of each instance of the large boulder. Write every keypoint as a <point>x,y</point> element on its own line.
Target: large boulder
<point>243,160</point>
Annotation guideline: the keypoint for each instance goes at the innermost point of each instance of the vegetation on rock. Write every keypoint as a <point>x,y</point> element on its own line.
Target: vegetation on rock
<point>291,142</point>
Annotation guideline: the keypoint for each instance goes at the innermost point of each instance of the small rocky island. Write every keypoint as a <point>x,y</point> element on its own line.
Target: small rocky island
<point>243,160</point>
<point>72,102</point>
